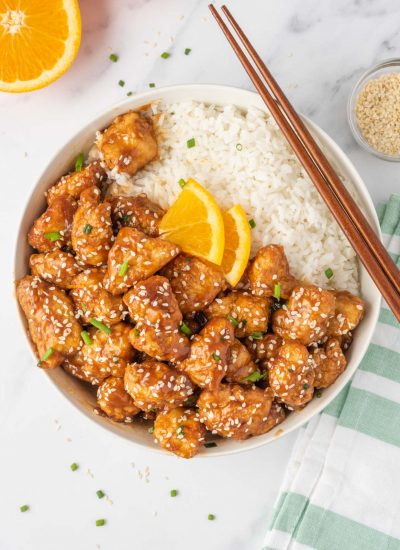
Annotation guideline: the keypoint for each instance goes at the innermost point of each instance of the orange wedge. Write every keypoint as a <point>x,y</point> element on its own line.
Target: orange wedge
<point>237,244</point>
<point>39,40</point>
<point>194,222</point>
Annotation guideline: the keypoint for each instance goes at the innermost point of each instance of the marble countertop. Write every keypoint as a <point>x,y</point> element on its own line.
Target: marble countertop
<point>316,50</point>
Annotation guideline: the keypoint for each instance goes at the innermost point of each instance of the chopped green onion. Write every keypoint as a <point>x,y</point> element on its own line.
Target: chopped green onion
<point>123,269</point>
<point>185,329</point>
<point>257,335</point>
<point>277,291</point>
<point>113,57</point>
<point>86,338</point>
<point>121,83</point>
<point>74,466</point>
<point>165,55</point>
<point>182,183</point>
<point>151,430</point>
<point>187,51</point>
<point>24,508</point>
<point>239,146</point>
<point>191,143</point>
<point>136,332</point>
<point>329,273</point>
<point>254,376</point>
<point>173,492</point>
<point>100,522</point>
<point>100,494</point>
<point>211,517</point>
<point>216,356</point>
<point>318,393</point>
<point>306,386</point>
<point>79,162</point>
<point>87,229</point>
<point>152,85</point>
<point>179,430</point>
<point>47,354</point>
<point>53,236</point>
<point>234,321</point>
<point>210,444</point>
<point>188,259</point>
<point>252,223</point>
<point>98,324</point>
<point>129,94</point>
<point>125,218</point>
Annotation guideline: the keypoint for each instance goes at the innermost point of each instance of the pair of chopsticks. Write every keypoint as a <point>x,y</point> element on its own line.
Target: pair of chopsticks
<point>360,234</point>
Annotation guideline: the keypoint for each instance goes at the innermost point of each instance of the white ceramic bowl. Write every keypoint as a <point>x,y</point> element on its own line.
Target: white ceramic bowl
<point>78,393</point>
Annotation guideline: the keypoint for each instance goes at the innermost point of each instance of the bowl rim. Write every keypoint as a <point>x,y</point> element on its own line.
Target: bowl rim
<point>367,75</point>
<point>144,98</point>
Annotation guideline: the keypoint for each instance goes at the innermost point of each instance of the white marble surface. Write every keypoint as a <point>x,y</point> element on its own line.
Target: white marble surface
<point>316,50</point>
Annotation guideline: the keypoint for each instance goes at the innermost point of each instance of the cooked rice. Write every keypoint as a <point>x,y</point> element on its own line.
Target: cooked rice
<point>242,157</point>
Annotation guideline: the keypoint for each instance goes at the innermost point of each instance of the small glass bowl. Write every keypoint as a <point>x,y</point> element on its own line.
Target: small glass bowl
<point>388,66</point>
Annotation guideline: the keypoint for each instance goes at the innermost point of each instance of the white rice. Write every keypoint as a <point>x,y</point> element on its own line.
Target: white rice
<point>242,157</point>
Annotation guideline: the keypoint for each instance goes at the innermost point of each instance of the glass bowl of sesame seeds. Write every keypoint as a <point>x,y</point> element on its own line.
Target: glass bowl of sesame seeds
<point>374,110</point>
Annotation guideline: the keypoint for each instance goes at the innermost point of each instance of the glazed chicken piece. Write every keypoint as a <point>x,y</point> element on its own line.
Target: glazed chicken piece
<point>248,314</point>
<point>268,268</point>
<point>135,256</point>
<point>51,322</point>
<point>56,267</point>
<point>129,143</point>
<point>92,300</point>
<point>236,411</point>
<point>73,184</point>
<point>306,316</point>
<point>349,310</point>
<point>179,431</point>
<point>52,229</point>
<point>114,401</point>
<point>291,375</point>
<point>106,355</point>
<point>195,282</point>
<point>207,362</point>
<point>329,363</point>
<point>92,233</point>
<point>153,307</point>
<point>138,212</point>
<point>264,348</point>
<point>240,364</point>
<point>155,385</point>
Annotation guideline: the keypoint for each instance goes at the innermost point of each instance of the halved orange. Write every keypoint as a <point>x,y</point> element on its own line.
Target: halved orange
<point>39,40</point>
<point>237,244</point>
<point>194,222</point>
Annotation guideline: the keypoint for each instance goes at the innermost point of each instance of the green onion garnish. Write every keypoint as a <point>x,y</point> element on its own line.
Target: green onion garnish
<point>239,146</point>
<point>306,386</point>
<point>152,85</point>
<point>100,494</point>
<point>86,338</point>
<point>257,335</point>
<point>79,162</point>
<point>329,273</point>
<point>129,94</point>
<point>123,269</point>
<point>179,430</point>
<point>125,218</point>
<point>173,492</point>
<point>121,83</point>
<point>136,332</point>
<point>182,183</point>
<point>216,356</point>
<point>165,55</point>
<point>254,376</point>
<point>151,430</point>
<point>318,393</point>
<point>234,321</point>
<point>53,236</point>
<point>100,522</point>
<point>47,354</point>
<point>98,324</point>
<point>211,517</point>
<point>24,508</point>
<point>185,329</point>
<point>74,466</point>
<point>113,57</point>
<point>210,444</point>
<point>252,223</point>
<point>277,291</point>
<point>87,229</point>
<point>187,51</point>
<point>191,143</point>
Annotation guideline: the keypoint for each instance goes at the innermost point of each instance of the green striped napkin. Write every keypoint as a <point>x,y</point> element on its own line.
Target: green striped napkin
<point>342,486</point>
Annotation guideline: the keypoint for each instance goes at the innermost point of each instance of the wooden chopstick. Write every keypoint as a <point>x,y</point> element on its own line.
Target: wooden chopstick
<point>386,283</point>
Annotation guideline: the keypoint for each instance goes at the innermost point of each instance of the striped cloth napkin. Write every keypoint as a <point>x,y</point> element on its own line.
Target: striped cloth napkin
<point>342,486</point>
